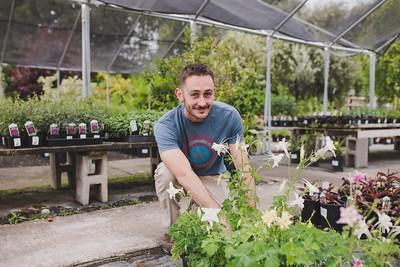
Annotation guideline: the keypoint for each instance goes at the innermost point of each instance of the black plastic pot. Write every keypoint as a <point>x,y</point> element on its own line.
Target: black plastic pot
<point>14,142</point>
<point>34,141</point>
<point>337,164</point>
<point>330,214</point>
<point>295,157</point>
<point>62,140</point>
<point>311,211</point>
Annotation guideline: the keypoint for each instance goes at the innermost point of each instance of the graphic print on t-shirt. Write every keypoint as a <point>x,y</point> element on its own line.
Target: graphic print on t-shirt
<point>201,154</point>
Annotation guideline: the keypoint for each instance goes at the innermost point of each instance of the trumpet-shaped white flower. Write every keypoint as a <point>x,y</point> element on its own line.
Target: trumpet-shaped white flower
<point>349,216</point>
<point>329,146</point>
<point>283,145</point>
<point>284,221</point>
<point>241,146</point>
<point>362,229</point>
<point>298,201</point>
<point>282,186</point>
<point>220,148</point>
<point>395,231</point>
<point>325,185</point>
<point>210,215</point>
<point>311,188</point>
<point>275,158</point>
<point>384,223</point>
<point>172,191</point>
<point>269,217</point>
<point>302,152</point>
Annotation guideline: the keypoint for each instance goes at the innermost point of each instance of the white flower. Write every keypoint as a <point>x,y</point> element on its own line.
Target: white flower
<point>283,145</point>
<point>329,146</point>
<point>362,229</point>
<point>302,152</point>
<point>220,148</point>
<point>384,223</point>
<point>284,221</point>
<point>395,231</point>
<point>311,188</point>
<point>283,185</point>
<point>269,217</point>
<point>298,201</point>
<point>275,158</point>
<point>172,191</point>
<point>349,216</point>
<point>325,185</point>
<point>210,215</point>
<point>240,146</point>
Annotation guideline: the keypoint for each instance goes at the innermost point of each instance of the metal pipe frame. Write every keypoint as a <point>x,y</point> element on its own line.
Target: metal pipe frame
<point>69,40</point>
<point>183,29</point>
<point>267,102</point>
<point>123,42</point>
<point>369,12</point>
<point>3,50</point>
<point>291,14</point>
<point>372,64</point>
<point>326,80</point>
<point>85,49</point>
<point>387,43</point>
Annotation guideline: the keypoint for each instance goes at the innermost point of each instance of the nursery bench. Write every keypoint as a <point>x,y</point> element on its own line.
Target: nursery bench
<point>77,164</point>
<point>357,139</point>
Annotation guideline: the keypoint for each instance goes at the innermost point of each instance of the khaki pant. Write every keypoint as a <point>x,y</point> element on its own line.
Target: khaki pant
<point>170,207</point>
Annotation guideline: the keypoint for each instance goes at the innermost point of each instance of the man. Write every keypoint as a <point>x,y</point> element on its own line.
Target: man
<point>185,136</point>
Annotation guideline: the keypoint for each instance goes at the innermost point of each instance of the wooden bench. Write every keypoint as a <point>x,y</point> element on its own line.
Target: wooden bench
<point>77,164</point>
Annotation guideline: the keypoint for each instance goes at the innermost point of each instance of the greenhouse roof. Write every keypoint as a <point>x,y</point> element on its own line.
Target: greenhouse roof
<point>125,35</point>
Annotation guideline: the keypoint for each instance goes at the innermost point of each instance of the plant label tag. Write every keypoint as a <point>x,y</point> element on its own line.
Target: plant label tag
<point>17,142</point>
<point>145,150</point>
<point>335,163</point>
<point>3,140</point>
<point>293,156</point>
<point>35,140</point>
<point>96,136</point>
<point>69,137</point>
<point>83,136</point>
<point>133,126</point>
<point>324,212</point>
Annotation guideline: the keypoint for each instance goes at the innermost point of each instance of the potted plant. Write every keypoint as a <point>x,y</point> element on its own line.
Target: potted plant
<point>337,162</point>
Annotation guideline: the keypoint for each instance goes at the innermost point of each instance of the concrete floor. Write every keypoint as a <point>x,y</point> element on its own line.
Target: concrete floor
<point>101,234</point>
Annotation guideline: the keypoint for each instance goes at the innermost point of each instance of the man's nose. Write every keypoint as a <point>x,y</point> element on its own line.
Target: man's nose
<point>202,101</point>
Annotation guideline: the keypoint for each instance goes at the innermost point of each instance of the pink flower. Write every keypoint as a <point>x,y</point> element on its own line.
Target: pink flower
<point>349,216</point>
<point>358,177</point>
<point>357,262</point>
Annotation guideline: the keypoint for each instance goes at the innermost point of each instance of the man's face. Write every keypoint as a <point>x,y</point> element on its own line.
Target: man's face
<point>197,95</point>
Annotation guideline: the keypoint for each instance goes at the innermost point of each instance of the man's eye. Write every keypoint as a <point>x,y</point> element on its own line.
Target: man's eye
<point>195,95</point>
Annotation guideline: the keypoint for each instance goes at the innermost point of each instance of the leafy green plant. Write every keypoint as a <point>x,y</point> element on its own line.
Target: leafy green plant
<point>275,237</point>
<point>15,217</point>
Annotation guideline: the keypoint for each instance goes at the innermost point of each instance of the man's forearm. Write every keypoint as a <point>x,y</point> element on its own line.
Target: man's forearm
<point>193,185</point>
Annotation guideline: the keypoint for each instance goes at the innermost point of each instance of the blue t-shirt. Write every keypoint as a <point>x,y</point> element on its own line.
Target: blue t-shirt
<point>223,123</point>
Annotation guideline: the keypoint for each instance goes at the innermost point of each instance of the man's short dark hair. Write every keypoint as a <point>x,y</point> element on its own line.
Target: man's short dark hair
<point>195,70</point>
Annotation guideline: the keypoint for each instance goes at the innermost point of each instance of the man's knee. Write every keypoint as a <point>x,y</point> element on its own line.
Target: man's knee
<point>162,177</point>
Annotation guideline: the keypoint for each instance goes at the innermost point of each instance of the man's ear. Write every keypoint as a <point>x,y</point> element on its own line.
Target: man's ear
<point>179,94</point>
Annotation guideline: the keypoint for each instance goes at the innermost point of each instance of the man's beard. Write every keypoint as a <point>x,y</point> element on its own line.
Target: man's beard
<point>189,110</point>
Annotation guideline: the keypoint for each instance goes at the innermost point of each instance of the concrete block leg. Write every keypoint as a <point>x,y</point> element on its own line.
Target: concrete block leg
<point>397,143</point>
<point>85,177</point>
<point>58,167</point>
<point>357,152</point>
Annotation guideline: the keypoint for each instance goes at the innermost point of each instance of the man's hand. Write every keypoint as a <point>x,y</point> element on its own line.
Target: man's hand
<point>180,167</point>
<point>241,161</point>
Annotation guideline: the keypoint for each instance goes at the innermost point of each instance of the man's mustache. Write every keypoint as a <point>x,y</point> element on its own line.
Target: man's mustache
<point>201,107</point>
